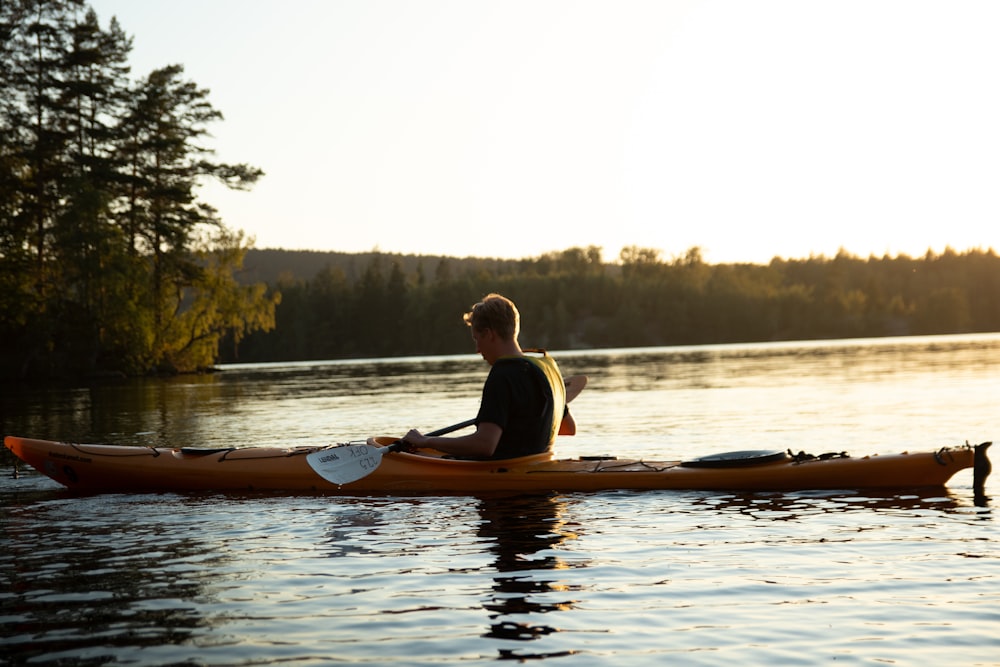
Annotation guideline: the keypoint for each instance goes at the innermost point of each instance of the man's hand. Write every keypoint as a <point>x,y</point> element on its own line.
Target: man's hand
<point>415,438</point>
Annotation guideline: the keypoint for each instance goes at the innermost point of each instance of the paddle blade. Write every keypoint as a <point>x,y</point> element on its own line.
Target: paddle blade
<point>345,463</point>
<point>574,385</point>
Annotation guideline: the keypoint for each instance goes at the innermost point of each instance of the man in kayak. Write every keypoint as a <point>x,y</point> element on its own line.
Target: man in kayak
<point>524,397</point>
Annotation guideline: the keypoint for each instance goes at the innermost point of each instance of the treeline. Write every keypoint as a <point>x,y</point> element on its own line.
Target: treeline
<point>573,300</point>
<point>108,260</point>
<point>274,265</point>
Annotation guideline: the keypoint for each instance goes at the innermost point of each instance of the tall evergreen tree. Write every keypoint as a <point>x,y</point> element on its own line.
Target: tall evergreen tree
<point>35,120</point>
<point>109,259</point>
<point>165,164</point>
<point>87,245</point>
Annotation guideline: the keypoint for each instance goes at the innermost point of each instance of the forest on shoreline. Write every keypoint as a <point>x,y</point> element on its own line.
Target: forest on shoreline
<point>111,265</point>
<point>109,262</point>
<point>383,304</point>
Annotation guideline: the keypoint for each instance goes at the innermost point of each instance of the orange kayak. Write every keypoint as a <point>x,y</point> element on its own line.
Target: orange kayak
<point>115,468</point>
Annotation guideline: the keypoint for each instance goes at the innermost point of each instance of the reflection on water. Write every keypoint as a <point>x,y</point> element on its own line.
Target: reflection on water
<point>607,578</point>
<point>523,533</point>
<point>859,396</point>
<point>83,585</point>
<point>222,580</point>
<point>801,362</point>
<point>796,505</point>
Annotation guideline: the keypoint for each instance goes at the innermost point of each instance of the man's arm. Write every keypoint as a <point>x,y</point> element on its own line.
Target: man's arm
<point>479,445</point>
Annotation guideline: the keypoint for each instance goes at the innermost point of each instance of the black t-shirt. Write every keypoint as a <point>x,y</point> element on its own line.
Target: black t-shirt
<point>517,398</point>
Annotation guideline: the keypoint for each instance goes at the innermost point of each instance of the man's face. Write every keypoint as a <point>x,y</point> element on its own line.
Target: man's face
<point>485,339</point>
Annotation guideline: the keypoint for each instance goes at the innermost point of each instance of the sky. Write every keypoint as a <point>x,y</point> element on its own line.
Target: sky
<point>789,128</point>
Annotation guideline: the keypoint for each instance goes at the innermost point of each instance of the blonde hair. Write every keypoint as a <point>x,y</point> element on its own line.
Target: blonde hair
<point>495,312</point>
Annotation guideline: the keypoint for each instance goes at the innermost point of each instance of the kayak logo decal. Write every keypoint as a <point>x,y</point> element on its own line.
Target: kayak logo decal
<point>326,458</point>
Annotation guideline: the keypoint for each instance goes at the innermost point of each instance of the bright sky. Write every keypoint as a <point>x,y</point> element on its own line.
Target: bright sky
<point>509,129</point>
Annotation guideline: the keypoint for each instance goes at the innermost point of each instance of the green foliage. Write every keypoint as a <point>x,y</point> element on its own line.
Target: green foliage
<point>109,261</point>
<point>571,300</point>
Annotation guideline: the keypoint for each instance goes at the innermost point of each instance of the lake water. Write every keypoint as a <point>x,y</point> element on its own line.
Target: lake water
<point>637,578</point>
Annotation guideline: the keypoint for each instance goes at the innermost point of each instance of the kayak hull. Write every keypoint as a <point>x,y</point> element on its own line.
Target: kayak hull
<point>116,468</point>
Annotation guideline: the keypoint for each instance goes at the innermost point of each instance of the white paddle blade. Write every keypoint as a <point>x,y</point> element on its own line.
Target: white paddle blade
<point>345,463</point>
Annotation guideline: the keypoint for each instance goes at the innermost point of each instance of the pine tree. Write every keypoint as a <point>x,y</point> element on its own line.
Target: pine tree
<point>35,59</point>
<point>109,259</point>
<point>162,216</point>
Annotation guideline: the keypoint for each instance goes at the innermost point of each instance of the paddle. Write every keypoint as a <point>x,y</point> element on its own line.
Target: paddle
<point>347,463</point>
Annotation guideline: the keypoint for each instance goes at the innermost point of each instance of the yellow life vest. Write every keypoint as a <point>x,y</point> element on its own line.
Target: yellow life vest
<point>550,370</point>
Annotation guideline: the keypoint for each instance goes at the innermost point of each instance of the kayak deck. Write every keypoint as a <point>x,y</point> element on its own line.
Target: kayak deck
<point>416,472</point>
<point>117,468</point>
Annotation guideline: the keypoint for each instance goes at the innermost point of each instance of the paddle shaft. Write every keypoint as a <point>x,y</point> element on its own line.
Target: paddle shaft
<point>399,444</point>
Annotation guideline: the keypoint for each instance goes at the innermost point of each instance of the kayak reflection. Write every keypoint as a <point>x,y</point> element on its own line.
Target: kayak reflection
<point>523,532</point>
